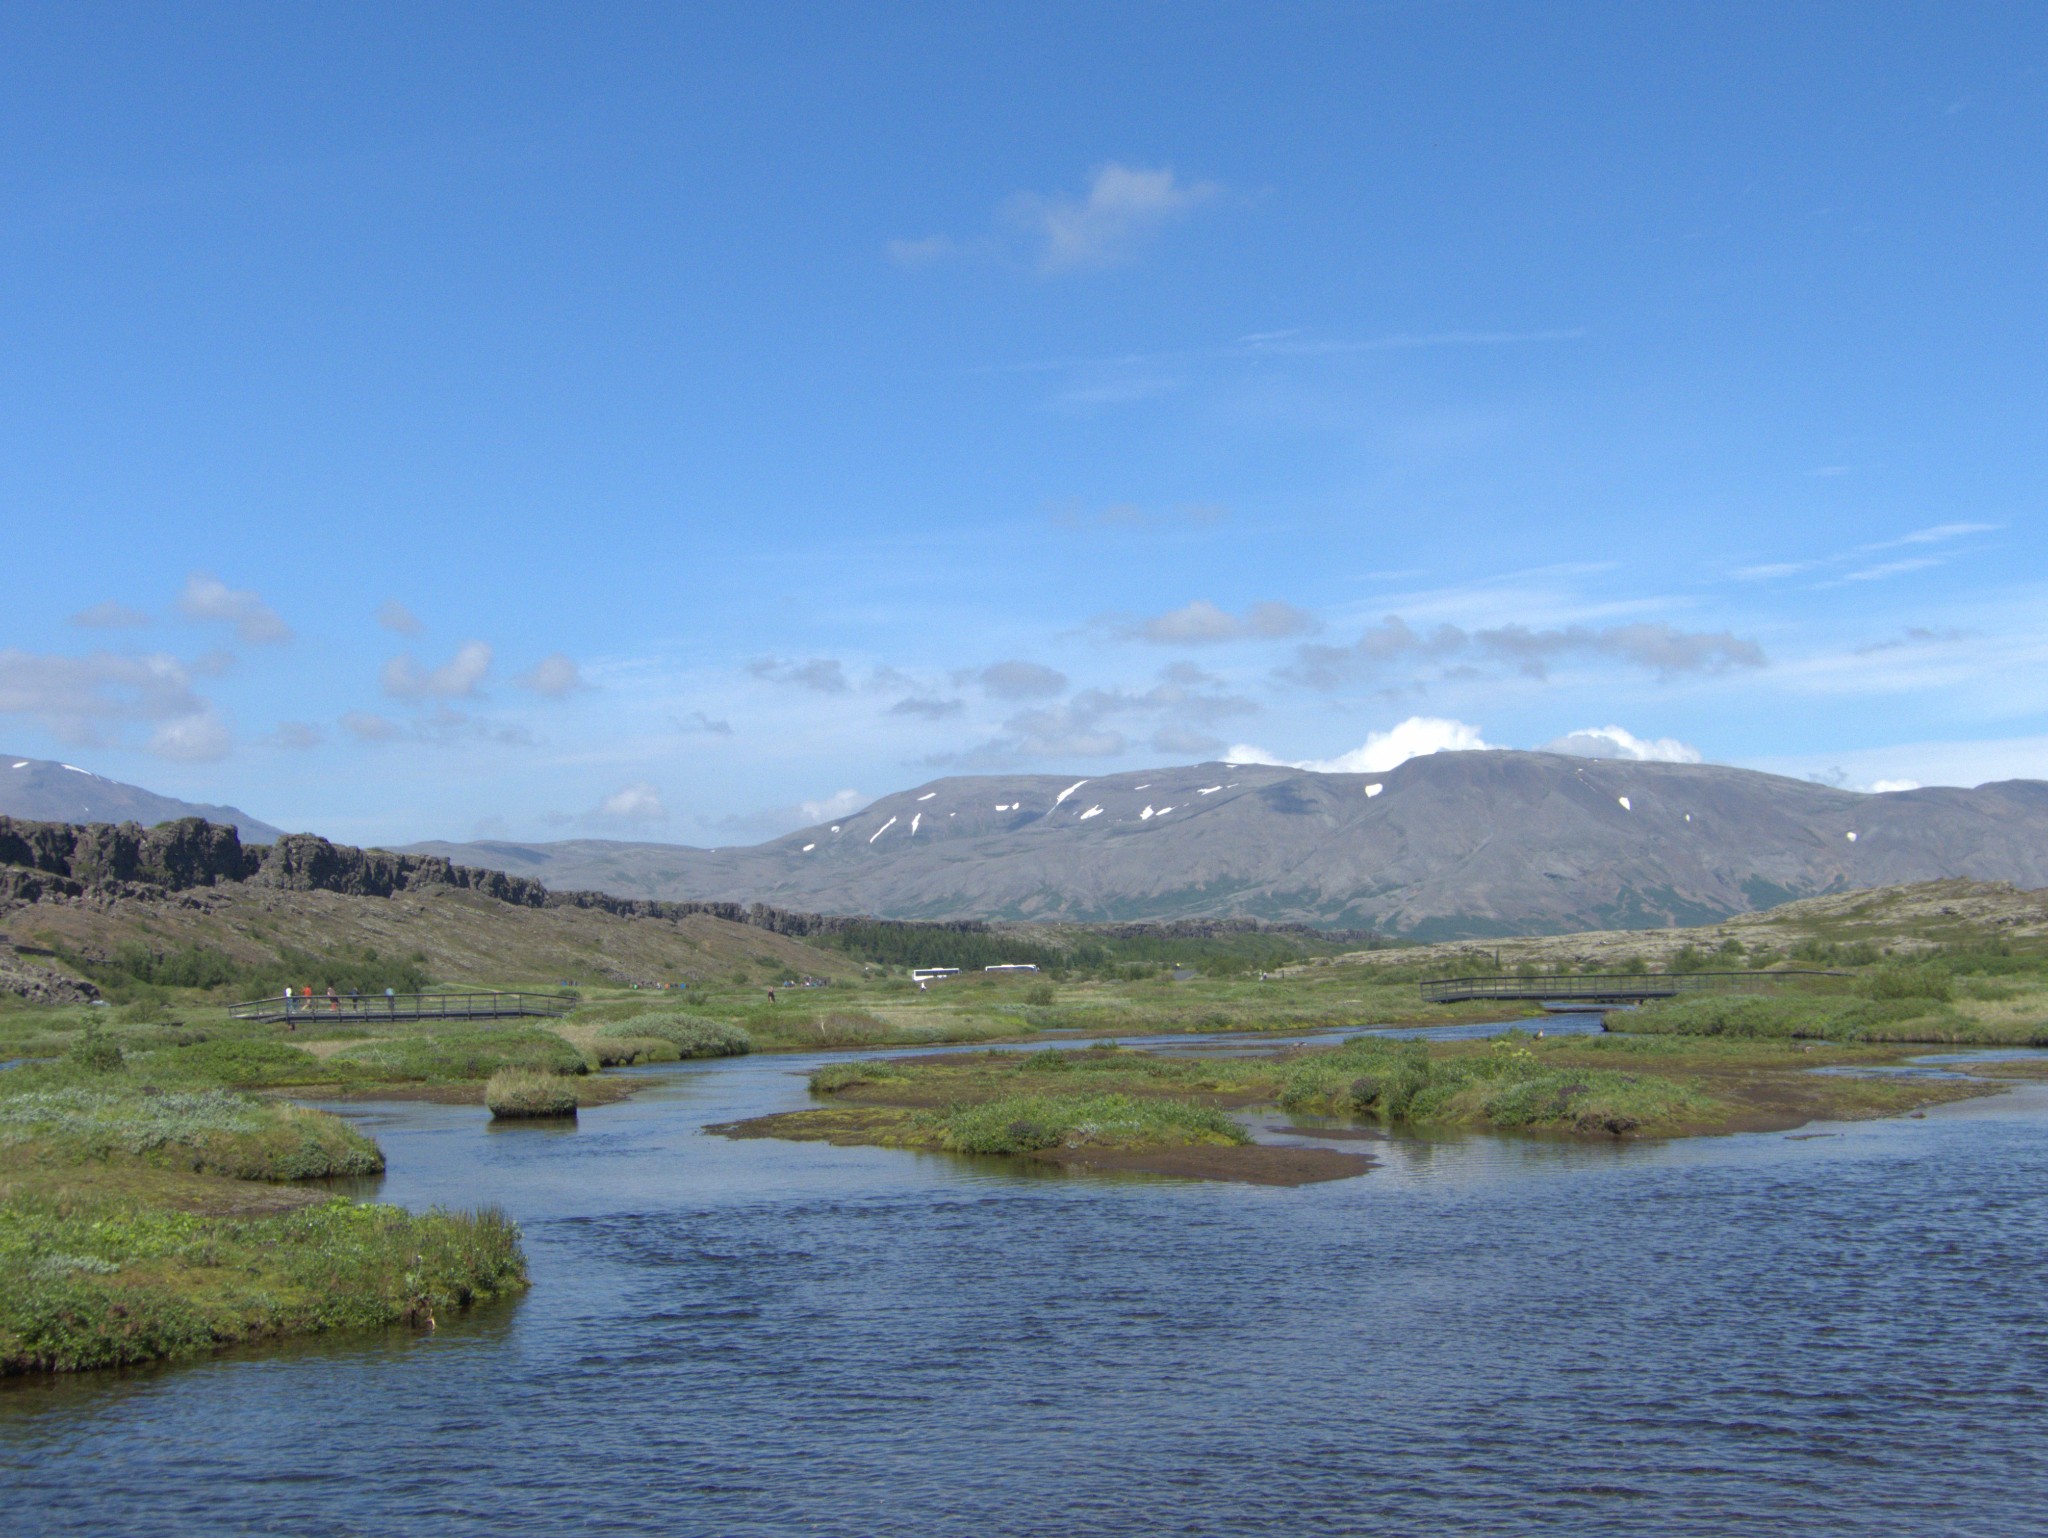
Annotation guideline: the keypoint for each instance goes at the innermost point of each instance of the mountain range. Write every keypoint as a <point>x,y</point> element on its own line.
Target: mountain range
<point>1451,845</point>
<point>1444,846</point>
<point>43,790</point>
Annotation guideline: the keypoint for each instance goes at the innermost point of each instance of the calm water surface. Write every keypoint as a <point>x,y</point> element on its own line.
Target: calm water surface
<point>1843,1330</point>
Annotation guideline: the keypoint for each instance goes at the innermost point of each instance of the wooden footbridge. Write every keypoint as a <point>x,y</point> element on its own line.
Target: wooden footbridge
<point>1594,989</point>
<point>373,1008</point>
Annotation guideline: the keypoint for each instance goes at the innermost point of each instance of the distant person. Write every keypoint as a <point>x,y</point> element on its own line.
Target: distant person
<point>355,1000</point>
<point>771,995</point>
<point>334,998</point>
<point>391,1003</point>
<point>288,1022</point>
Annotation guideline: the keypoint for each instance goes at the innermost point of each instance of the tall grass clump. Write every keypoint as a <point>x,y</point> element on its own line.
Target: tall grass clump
<point>106,1283</point>
<point>690,1035</point>
<point>515,1094</point>
<point>1509,1085</point>
<point>1014,1124</point>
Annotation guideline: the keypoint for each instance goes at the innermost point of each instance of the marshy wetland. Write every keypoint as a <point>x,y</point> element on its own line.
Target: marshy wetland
<point>927,1277</point>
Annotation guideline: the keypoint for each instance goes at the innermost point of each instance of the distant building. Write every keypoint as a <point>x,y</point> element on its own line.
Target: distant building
<point>932,974</point>
<point>1013,966</point>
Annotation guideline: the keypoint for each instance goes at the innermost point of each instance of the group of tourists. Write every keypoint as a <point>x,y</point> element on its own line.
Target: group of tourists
<point>302,1002</point>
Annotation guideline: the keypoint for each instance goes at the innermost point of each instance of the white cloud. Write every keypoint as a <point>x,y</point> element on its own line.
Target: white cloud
<point>196,738</point>
<point>840,804</point>
<point>638,804</point>
<point>456,678</point>
<point>207,598</point>
<point>1123,207</point>
<point>1381,751</point>
<point>554,676</point>
<point>393,615</point>
<point>1936,535</point>
<point>84,701</point>
<point>1880,787</point>
<point>1615,742</point>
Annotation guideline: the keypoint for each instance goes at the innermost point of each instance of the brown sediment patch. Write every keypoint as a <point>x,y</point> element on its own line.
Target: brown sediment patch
<point>1258,1164</point>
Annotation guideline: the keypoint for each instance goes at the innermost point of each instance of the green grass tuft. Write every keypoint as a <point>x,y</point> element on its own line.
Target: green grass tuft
<point>515,1093</point>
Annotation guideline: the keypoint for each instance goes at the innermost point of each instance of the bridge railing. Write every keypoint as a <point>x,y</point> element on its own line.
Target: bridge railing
<point>375,1007</point>
<point>1601,985</point>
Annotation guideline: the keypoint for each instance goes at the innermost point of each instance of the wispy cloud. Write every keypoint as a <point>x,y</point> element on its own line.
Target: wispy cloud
<point>1659,648</point>
<point>1120,212</point>
<point>109,615</point>
<point>554,677</point>
<point>208,599</point>
<point>1885,569</point>
<point>395,616</point>
<point>821,675</point>
<point>1202,622</point>
<point>458,678</point>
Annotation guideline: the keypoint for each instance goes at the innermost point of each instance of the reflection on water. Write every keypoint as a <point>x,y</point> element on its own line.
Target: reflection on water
<point>1840,1333</point>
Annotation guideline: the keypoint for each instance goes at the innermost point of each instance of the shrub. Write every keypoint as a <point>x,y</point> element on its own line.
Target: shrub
<point>1039,994</point>
<point>690,1035</point>
<point>94,1053</point>
<point>1894,981</point>
<point>516,1093</point>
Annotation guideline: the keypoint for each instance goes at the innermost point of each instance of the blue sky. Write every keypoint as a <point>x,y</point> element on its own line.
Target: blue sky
<point>680,422</point>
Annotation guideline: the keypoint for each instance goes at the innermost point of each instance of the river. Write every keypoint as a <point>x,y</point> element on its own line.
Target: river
<point>1842,1330</point>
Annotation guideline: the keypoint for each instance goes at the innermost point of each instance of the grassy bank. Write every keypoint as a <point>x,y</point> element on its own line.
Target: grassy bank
<point>103,1278</point>
<point>1599,1086</point>
<point>148,1206</point>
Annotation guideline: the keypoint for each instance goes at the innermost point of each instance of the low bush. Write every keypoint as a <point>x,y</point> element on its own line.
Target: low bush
<point>690,1035</point>
<point>249,1062</point>
<point>1896,981</point>
<point>518,1093</point>
<point>94,1053</point>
